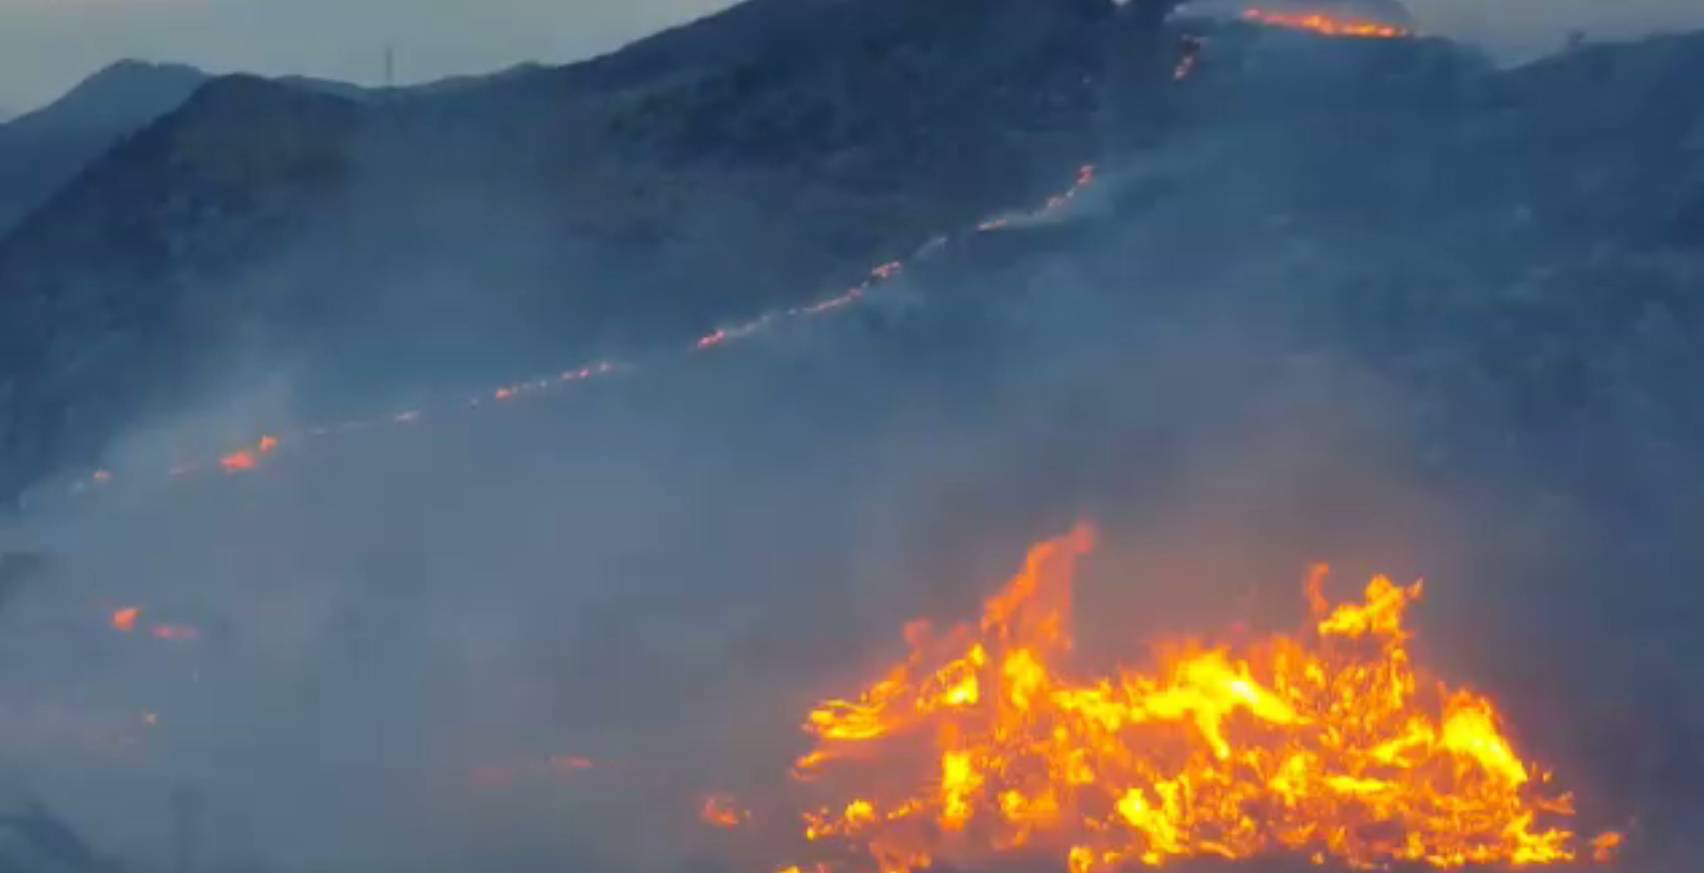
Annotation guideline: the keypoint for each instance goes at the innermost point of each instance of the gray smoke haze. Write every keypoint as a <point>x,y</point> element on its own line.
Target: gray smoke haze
<point>401,631</point>
<point>47,45</point>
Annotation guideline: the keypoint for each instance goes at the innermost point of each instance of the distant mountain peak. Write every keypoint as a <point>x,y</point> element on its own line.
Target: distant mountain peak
<point>134,67</point>
<point>41,150</point>
<point>126,87</point>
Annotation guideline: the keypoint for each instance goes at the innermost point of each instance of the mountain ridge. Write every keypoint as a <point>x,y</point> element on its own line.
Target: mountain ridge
<point>637,194</point>
<point>719,169</point>
<point>42,149</point>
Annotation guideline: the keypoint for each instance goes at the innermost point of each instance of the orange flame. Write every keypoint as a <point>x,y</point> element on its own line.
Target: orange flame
<point>722,811</point>
<point>1327,25</point>
<point>238,462</point>
<point>127,619</point>
<point>1606,846</point>
<point>1326,744</point>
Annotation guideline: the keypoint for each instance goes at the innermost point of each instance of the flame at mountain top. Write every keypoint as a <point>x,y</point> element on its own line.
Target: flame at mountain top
<point>1327,24</point>
<point>1328,745</point>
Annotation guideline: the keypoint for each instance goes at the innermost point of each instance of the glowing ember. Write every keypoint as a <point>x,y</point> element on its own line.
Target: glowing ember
<point>128,619</point>
<point>1185,66</point>
<point>722,811</point>
<point>1328,744</point>
<point>565,764</point>
<point>249,458</point>
<point>124,620</point>
<point>1605,846</point>
<point>1188,56</point>
<point>850,297</point>
<point>174,633</point>
<point>1327,25</point>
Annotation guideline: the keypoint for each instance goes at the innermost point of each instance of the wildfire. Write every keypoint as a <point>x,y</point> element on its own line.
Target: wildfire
<point>174,633</point>
<point>124,620</point>
<point>238,462</point>
<point>250,458</point>
<point>1327,25</point>
<point>723,335</point>
<point>1328,744</point>
<point>565,764</point>
<point>128,620</point>
<point>722,811</point>
<point>244,460</point>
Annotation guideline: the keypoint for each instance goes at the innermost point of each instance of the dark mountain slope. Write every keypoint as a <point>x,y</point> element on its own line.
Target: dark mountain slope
<point>205,200</point>
<point>1626,136</point>
<point>1512,250</point>
<point>767,155</point>
<point>772,153</point>
<point>42,150</point>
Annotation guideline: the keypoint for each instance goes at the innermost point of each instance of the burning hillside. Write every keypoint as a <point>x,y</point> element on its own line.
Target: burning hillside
<point>251,457</point>
<point>1327,24</point>
<point>1329,745</point>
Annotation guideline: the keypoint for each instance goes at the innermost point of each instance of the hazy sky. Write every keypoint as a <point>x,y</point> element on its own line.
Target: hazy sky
<point>47,45</point>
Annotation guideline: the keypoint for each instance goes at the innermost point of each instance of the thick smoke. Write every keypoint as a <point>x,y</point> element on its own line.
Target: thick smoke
<point>408,637</point>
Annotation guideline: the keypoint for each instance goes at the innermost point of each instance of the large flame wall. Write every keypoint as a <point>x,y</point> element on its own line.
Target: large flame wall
<point>1329,744</point>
